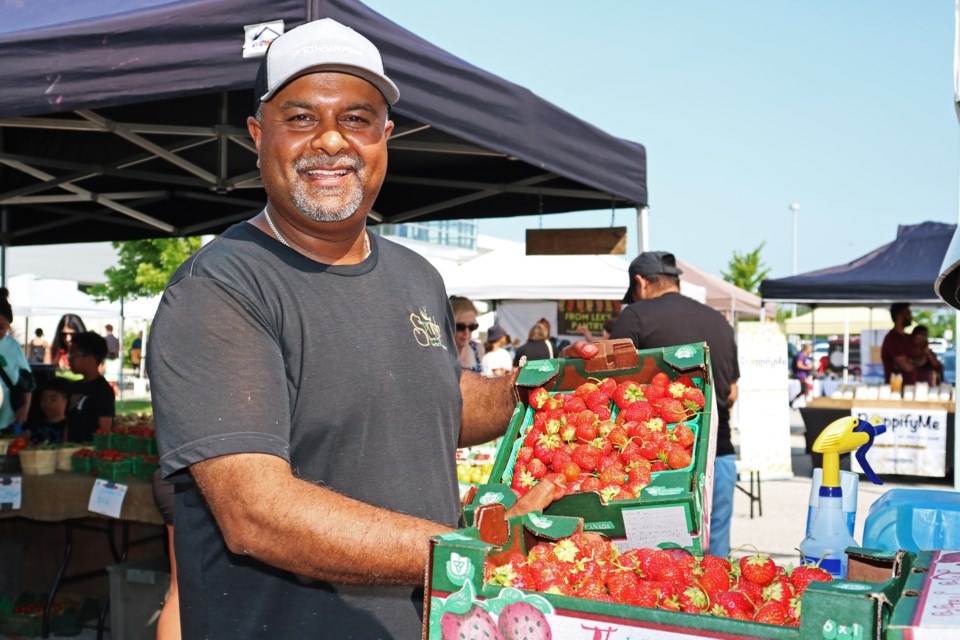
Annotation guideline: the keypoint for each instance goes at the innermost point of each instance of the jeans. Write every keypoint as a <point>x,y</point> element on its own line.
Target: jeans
<point>724,482</point>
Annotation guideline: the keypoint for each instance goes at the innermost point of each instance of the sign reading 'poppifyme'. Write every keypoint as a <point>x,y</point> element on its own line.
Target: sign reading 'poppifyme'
<point>915,443</point>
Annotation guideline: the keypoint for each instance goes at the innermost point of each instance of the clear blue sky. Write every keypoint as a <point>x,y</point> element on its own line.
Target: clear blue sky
<point>744,107</point>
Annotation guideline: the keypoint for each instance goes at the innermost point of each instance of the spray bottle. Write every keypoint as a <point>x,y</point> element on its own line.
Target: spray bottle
<point>829,535</point>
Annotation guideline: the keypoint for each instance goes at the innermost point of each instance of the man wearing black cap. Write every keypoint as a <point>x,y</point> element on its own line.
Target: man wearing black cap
<point>658,315</point>
<point>307,393</point>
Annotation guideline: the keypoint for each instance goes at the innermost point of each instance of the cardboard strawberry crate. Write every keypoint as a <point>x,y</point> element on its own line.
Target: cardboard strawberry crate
<point>929,606</point>
<point>670,511</point>
<point>456,593</point>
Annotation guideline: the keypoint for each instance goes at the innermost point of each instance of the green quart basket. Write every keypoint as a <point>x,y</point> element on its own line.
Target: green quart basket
<point>104,441</point>
<point>113,471</point>
<point>141,469</point>
<point>83,465</point>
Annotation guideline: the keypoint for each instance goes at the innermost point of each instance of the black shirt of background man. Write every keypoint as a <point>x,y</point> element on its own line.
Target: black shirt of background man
<point>672,319</point>
<point>89,401</point>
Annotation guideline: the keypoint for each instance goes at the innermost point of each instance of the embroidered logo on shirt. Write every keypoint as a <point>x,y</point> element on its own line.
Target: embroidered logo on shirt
<point>425,329</point>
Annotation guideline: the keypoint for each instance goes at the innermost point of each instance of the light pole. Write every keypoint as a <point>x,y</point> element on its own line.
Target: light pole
<point>795,209</point>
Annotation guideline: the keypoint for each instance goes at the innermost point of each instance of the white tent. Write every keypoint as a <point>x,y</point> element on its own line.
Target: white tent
<point>730,299</point>
<point>839,320</point>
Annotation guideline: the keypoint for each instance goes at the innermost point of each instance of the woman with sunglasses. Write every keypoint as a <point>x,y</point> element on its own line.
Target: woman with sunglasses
<point>465,316</point>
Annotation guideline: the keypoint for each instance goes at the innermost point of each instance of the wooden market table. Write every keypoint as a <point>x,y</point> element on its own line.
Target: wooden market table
<point>63,497</point>
<point>820,412</point>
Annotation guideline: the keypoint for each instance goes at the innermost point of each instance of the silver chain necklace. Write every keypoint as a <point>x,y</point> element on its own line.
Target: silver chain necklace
<point>276,232</point>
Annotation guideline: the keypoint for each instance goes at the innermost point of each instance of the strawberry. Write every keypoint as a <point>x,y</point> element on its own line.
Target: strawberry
<point>656,425</point>
<point>545,446</point>
<point>672,410</point>
<point>596,400</point>
<point>607,386</point>
<point>660,379</point>
<point>803,575</point>
<point>538,397</point>
<point>715,561</point>
<point>590,589</point>
<point>656,564</point>
<point>731,604</point>
<point>659,465</point>
<point>532,435</point>
<point>585,390</point>
<point>573,404</point>
<point>603,414</point>
<point>676,389</point>
<point>751,590</point>
<point>586,456</point>
<point>651,448</point>
<point>713,579</point>
<point>627,393</point>
<point>635,487</point>
<point>524,455</point>
<point>639,411</point>
<point>602,445</point>
<point>586,431</point>
<point>772,613</point>
<point>537,468</point>
<point>623,586</point>
<point>693,399</point>
<point>640,473</point>
<point>591,484</point>
<point>683,435</point>
<point>654,392</point>
<point>780,590</point>
<point>758,568</point>
<point>693,599</point>
<point>618,437</point>
<point>613,473</point>
<point>678,457</point>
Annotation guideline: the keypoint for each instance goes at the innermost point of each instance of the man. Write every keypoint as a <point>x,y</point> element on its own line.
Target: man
<point>898,347</point>
<point>92,401</point>
<point>803,366</point>
<point>659,316</point>
<point>113,343</point>
<point>306,387</point>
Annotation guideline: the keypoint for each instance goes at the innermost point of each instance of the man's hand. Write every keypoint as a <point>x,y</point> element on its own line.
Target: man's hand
<point>581,349</point>
<point>538,498</point>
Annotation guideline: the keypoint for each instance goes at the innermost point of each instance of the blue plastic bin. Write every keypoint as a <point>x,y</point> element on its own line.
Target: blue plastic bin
<point>913,520</point>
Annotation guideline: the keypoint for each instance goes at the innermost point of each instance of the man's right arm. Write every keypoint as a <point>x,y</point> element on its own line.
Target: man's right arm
<point>315,532</point>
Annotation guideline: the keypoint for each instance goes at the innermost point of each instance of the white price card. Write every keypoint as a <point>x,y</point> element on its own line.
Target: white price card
<point>107,498</point>
<point>11,492</point>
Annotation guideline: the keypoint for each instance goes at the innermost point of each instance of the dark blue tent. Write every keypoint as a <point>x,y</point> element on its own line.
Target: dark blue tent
<point>122,120</point>
<point>902,271</point>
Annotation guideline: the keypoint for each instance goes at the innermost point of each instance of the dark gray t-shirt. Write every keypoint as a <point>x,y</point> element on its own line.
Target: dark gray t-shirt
<point>348,372</point>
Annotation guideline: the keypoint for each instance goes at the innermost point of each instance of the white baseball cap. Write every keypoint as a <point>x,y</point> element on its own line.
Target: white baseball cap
<point>322,45</point>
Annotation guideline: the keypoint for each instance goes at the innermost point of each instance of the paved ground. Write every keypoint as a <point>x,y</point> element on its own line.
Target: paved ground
<point>781,528</point>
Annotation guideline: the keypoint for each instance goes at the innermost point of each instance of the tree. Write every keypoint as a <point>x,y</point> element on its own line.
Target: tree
<point>746,270</point>
<point>144,268</point>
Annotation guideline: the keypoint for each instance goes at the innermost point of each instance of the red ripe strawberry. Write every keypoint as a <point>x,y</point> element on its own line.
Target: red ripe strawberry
<point>604,427</point>
<point>751,590</point>
<point>538,397</point>
<point>635,487</point>
<point>712,578</point>
<point>573,403</point>
<point>618,438</point>
<point>780,590</point>
<point>660,379</point>
<point>640,473</point>
<point>655,425</point>
<point>603,414</point>
<point>657,565</point>
<point>693,399</point>
<point>654,392</point>
<point>683,435</point>
<point>536,468</point>
<point>803,575</point>
<point>609,492</point>
<point>651,448</point>
<point>533,435</point>
<point>545,447</point>
<point>758,568</point>
<point>592,546</point>
<point>672,410</point>
<point>552,404</point>
<point>731,604</point>
<point>602,445</point>
<point>515,573</point>
<point>607,385</point>
<point>586,456</point>
<point>647,595</point>
<point>659,465</point>
<point>586,431</point>
<point>640,411</point>
<point>585,389</point>
<point>686,381</point>
<point>554,421</point>
<point>772,613</point>
<point>560,457</point>
<point>590,589</point>
<point>693,599</point>
<point>627,393</point>
<point>570,470</point>
<point>678,457</point>
<point>613,473</point>
<point>676,389</point>
<point>715,561</point>
<point>597,399</point>
<point>591,484</point>
<point>524,455</point>
<point>568,433</point>
<point>630,452</point>
<point>623,586</point>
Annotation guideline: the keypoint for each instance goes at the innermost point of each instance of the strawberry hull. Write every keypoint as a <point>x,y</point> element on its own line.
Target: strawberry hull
<point>673,509</point>
<point>854,610</point>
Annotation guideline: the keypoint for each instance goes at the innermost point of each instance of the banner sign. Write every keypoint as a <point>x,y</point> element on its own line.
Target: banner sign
<point>572,314</point>
<point>762,413</point>
<point>915,443</point>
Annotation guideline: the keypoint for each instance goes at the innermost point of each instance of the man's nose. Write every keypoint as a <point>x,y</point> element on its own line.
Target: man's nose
<point>331,142</point>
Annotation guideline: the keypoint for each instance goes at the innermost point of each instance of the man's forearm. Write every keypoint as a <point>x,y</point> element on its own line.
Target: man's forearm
<point>488,404</point>
<point>309,530</point>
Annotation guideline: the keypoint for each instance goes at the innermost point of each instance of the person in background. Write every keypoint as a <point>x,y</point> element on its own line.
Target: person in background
<point>537,346</point>
<point>898,347</point>
<point>584,330</point>
<point>496,361</point>
<point>803,366</point>
<point>928,367</point>
<point>38,348</point>
<point>113,343</point>
<point>91,406</point>
<point>659,316</point>
<point>69,325</point>
<point>14,364</point>
<point>465,316</point>
<point>52,427</point>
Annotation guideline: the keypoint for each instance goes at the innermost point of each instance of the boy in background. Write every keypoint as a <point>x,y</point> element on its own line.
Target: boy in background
<point>91,405</point>
<point>53,405</point>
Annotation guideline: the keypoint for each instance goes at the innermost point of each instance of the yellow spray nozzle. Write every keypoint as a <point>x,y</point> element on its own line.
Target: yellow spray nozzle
<point>842,436</point>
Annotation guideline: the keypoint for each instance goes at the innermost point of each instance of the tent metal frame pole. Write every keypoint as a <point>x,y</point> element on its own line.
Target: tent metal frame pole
<point>643,229</point>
